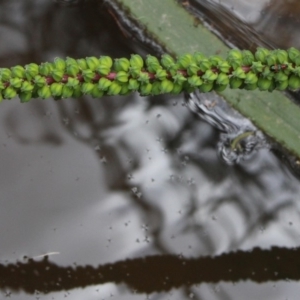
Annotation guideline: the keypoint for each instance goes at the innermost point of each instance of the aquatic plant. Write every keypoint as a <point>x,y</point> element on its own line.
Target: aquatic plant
<point>265,70</point>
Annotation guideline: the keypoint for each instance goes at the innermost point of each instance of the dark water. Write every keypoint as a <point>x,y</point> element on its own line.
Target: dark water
<point>127,195</point>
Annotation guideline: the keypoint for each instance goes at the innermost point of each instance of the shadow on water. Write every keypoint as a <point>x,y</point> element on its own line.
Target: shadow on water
<point>130,180</point>
<point>170,271</point>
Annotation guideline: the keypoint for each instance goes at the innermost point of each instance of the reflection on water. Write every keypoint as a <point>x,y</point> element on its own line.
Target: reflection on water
<point>269,23</point>
<point>240,139</point>
<point>128,187</point>
<point>170,271</point>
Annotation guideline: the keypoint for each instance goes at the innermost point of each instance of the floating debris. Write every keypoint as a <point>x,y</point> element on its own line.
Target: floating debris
<point>239,139</point>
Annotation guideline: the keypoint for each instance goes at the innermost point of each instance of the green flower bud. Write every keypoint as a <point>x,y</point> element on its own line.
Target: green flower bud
<point>250,87</point>
<point>204,65</point>
<point>31,71</point>
<point>122,77</point>
<point>143,78</point>
<point>134,72</point>
<point>96,93</point>
<point>235,82</point>
<point>294,82</point>
<point>261,54</point>
<point>45,69</point>
<point>152,63</point>
<point>114,89</point>
<point>187,87</point>
<point>71,61</point>
<point>184,60</point>
<point>92,62</point>
<point>234,58</point>
<point>195,81</point>
<point>122,64</point>
<point>161,74</point>
<point>87,87</point>
<point>104,84</point>
<point>177,88</point>
<point>272,86</point>
<point>224,66</point>
<point>66,92</point>
<point>215,60</point>
<point>44,92</point>
<point>235,63</point>
<point>192,69</point>
<point>235,53</point>
<point>198,57</point>
<point>16,82</point>
<point>9,93</point>
<point>34,93</point>
<point>156,89</point>
<point>210,76</point>
<point>136,61</point>
<point>289,68</point>
<point>282,85</point>
<point>282,56</point>
<point>297,60</point>
<point>82,64</point>
<point>173,70</point>
<point>219,87</point>
<point>145,89</point>
<point>59,64</point>
<point>280,77</point>
<point>166,86</point>
<point>57,74</point>
<point>206,87</point>
<point>5,74</point>
<point>257,67</point>
<point>133,84</point>
<point>106,61</point>
<point>39,81</point>
<point>77,91</point>
<point>239,73</point>
<point>223,79</point>
<point>267,73</point>
<point>179,79</point>
<point>167,61</point>
<point>18,72</point>
<point>251,78</point>
<point>26,87</point>
<point>271,59</point>
<point>72,70</point>
<point>88,75</point>
<point>24,96</point>
<point>247,58</point>
<point>72,82</point>
<point>124,89</point>
<point>293,54</point>
<point>56,89</point>
<point>297,71</point>
<point>103,70</point>
<point>264,84</point>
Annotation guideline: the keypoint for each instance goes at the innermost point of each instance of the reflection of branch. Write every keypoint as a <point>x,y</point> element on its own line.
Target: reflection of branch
<point>156,273</point>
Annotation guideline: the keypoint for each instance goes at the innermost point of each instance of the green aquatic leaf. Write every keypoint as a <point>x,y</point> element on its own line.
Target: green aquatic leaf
<point>171,25</point>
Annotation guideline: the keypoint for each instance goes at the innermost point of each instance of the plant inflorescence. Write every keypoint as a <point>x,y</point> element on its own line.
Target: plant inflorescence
<point>265,69</point>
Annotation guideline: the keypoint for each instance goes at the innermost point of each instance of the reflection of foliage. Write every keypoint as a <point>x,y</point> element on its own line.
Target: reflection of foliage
<point>156,273</point>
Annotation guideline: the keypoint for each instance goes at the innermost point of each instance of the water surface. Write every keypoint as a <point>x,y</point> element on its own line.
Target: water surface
<point>129,183</point>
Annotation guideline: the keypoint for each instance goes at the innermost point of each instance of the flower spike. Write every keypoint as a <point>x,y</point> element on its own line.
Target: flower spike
<point>265,70</point>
